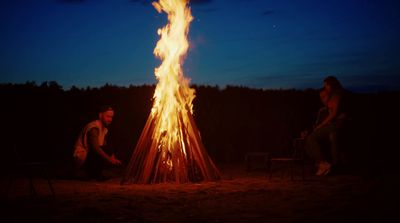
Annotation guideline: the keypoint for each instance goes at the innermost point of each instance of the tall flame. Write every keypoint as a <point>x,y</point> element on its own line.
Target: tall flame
<point>172,93</point>
<point>170,146</point>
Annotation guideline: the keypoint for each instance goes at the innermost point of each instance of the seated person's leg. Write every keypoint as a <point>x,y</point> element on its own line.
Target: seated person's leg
<point>334,147</point>
<point>314,143</point>
<point>314,146</point>
<point>94,165</point>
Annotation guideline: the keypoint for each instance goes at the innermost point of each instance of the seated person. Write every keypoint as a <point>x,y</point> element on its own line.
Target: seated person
<point>327,128</point>
<point>90,153</point>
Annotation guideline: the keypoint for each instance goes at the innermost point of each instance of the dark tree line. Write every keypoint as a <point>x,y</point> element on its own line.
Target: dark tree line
<point>42,121</point>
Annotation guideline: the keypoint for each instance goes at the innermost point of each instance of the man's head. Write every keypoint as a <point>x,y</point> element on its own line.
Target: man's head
<point>106,114</point>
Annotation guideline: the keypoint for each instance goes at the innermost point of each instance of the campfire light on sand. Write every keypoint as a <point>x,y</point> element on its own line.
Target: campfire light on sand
<point>170,147</point>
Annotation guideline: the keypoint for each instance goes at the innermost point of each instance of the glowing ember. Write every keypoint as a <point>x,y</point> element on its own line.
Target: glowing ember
<point>170,147</point>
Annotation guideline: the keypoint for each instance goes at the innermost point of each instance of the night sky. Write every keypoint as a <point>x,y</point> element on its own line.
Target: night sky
<point>254,43</point>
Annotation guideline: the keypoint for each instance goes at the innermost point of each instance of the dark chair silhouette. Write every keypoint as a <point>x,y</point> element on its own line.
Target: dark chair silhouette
<point>294,158</point>
<point>30,169</point>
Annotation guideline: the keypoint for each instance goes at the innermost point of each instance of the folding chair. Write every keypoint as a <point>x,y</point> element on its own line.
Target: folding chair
<point>294,158</point>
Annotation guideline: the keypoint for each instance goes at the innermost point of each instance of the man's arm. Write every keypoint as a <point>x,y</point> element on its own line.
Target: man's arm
<point>333,107</point>
<point>93,142</point>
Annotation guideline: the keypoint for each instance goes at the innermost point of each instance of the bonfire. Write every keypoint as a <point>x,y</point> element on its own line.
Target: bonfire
<point>170,148</point>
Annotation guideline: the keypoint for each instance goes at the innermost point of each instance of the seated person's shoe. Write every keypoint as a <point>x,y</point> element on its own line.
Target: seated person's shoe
<point>323,169</point>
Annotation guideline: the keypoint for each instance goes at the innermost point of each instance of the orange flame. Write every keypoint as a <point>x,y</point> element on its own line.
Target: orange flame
<point>172,93</point>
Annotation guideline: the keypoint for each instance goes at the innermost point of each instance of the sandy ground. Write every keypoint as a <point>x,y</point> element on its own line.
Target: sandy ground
<point>240,196</point>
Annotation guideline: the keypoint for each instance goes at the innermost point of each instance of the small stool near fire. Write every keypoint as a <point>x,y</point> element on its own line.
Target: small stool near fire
<point>294,159</point>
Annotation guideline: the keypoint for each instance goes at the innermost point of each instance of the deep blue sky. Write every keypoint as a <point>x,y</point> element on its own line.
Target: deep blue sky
<point>255,43</point>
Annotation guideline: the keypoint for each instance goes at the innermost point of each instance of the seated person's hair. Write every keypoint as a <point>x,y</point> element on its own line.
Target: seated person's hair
<point>105,108</point>
<point>333,82</point>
